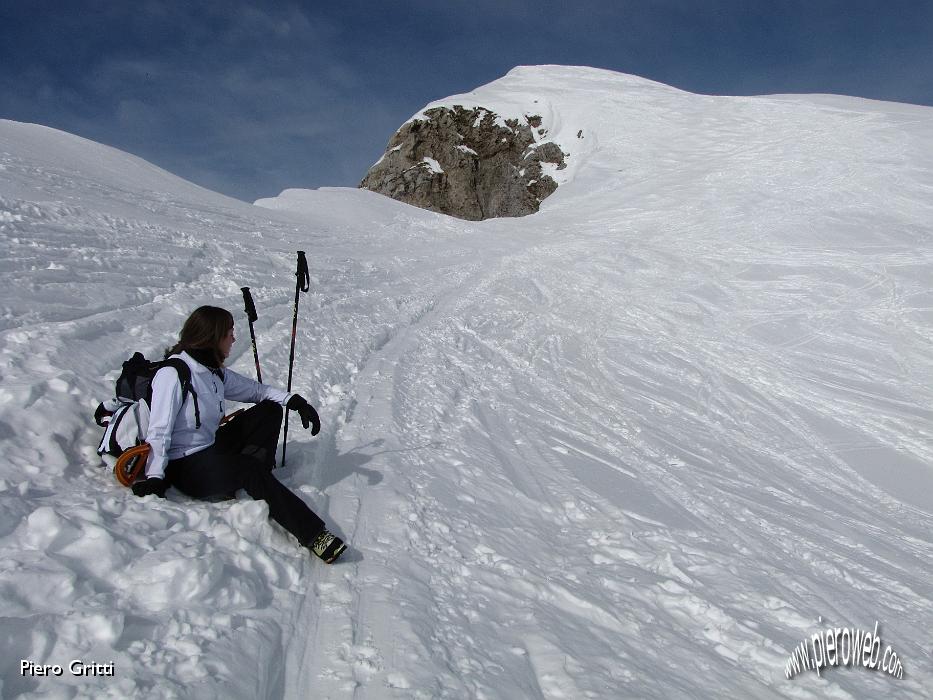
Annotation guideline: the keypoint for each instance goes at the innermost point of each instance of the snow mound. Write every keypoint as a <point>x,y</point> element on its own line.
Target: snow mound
<point>49,154</point>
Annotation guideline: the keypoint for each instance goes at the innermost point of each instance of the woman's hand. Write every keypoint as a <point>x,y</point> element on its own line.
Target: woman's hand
<point>151,486</point>
<point>306,411</point>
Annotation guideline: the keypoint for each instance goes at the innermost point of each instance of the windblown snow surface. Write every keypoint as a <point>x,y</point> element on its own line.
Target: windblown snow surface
<point>641,444</point>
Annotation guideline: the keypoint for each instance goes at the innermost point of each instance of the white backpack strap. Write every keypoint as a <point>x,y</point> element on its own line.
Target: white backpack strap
<point>142,421</point>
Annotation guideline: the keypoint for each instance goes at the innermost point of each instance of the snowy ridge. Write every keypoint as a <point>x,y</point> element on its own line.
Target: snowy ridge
<point>45,152</point>
<point>635,445</point>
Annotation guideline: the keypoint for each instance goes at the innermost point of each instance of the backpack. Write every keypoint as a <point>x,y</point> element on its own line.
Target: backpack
<point>125,418</point>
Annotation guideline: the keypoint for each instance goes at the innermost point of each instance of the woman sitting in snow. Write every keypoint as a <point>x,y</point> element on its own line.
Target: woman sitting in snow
<point>216,460</point>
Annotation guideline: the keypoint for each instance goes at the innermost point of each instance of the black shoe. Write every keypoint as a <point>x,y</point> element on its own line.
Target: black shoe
<point>328,547</point>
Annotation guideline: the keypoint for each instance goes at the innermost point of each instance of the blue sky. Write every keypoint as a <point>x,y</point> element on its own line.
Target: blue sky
<point>249,98</point>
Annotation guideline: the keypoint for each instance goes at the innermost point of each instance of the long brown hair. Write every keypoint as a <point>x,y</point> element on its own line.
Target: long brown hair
<point>204,329</point>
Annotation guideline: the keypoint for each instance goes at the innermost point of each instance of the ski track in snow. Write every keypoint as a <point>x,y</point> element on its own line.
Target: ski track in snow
<point>632,446</point>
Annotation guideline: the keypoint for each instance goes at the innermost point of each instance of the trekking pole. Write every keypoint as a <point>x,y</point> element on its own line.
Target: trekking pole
<point>302,284</point>
<point>251,315</point>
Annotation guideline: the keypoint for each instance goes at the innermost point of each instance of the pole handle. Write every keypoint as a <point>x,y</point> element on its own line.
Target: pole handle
<point>250,306</point>
<point>251,316</point>
<point>304,276</point>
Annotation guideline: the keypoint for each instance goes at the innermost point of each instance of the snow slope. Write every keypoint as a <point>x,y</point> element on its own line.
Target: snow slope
<point>640,444</point>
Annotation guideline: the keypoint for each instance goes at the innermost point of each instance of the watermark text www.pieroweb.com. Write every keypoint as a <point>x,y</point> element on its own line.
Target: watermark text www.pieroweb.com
<point>843,646</point>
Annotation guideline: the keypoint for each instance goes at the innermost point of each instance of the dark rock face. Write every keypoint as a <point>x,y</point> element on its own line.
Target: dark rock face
<point>466,163</point>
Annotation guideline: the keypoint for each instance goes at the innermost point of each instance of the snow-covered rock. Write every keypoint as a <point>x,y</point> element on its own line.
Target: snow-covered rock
<point>468,163</point>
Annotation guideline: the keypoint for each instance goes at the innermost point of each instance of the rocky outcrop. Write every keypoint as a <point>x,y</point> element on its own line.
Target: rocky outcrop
<point>468,163</point>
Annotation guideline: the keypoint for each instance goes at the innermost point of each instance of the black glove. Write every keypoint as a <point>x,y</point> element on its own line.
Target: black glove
<point>150,486</point>
<point>306,411</point>
<point>100,414</point>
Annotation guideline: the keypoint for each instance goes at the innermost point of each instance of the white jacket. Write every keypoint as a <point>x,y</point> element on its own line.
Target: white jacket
<point>172,432</point>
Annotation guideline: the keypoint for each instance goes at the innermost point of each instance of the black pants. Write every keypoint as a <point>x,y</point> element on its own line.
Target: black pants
<point>242,457</point>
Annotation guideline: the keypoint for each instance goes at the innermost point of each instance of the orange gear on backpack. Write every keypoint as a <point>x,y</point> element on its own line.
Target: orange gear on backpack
<point>131,463</point>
